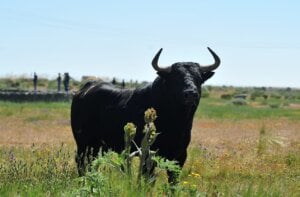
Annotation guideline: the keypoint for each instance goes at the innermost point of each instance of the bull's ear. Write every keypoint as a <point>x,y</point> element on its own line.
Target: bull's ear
<point>207,75</point>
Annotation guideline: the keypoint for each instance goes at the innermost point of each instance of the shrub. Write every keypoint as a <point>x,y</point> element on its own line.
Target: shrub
<point>265,96</point>
<point>239,102</point>
<point>275,96</point>
<point>256,94</point>
<point>205,94</point>
<point>226,96</point>
<point>240,96</point>
<point>267,141</point>
<point>291,159</point>
<point>274,105</point>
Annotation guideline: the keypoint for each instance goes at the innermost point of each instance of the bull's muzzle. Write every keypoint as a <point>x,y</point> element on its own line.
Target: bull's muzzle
<point>190,96</point>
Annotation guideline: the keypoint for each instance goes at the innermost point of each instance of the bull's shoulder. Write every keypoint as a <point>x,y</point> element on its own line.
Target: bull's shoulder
<point>103,93</point>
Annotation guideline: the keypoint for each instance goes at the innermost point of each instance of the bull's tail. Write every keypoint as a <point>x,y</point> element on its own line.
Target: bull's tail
<point>76,120</point>
<point>76,109</point>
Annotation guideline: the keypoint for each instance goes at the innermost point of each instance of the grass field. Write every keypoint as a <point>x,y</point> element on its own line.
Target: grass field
<point>251,150</point>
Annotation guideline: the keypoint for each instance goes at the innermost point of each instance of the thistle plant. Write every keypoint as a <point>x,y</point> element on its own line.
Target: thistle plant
<point>97,181</point>
<point>147,158</point>
<point>145,153</point>
<point>130,131</point>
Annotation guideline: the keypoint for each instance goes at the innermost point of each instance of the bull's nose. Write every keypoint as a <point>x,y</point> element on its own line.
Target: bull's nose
<point>190,95</point>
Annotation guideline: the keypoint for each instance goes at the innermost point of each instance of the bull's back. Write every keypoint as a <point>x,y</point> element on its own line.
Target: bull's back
<point>99,111</point>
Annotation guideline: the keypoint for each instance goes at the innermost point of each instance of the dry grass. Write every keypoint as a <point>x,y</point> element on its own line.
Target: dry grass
<point>218,135</point>
<point>40,123</point>
<point>221,135</point>
<point>15,131</point>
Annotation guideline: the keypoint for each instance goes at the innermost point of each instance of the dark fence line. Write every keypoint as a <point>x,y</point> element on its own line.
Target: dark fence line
<point>35,96</point>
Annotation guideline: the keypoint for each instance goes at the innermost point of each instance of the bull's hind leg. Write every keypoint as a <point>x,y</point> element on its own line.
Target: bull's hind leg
<point>148,173</point>
<point>81,160</point>
<point>84,157</point>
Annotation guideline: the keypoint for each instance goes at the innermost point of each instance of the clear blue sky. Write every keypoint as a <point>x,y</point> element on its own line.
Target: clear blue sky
<point>258,41</point>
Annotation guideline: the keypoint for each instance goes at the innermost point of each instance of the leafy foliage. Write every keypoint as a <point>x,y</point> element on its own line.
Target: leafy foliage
<point>97,180</point>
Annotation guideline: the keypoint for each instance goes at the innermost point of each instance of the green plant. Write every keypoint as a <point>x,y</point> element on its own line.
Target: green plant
<point>205,92</point>
<point>130,131</point>
<point>110,164</point>
<point>266,140</point>
<point>274,105</point>
<point>262,142</point>
<point>257,93</point>
<point>239,102</point>
<point>275,96</point>
<point>226,96</point>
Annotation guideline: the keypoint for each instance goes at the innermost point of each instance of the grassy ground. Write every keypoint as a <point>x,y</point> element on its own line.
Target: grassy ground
<point>250,150</point>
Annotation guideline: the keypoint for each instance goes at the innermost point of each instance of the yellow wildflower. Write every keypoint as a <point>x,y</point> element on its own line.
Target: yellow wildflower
<point>196,175</point>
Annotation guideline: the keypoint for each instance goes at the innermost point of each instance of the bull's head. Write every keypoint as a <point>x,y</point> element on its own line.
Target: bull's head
<point>183,80</point>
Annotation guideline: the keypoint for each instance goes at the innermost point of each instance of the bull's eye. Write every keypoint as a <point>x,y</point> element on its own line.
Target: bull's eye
<point>198,81</point>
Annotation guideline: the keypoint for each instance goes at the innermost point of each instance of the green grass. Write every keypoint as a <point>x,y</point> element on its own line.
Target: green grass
<point>35,110</point>
<point>220,109</point>
<point>211,108</point>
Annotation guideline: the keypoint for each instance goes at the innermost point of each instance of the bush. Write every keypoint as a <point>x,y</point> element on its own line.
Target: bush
<point>274,105</point>
<point>239,102</point>
<point>275,96</point>
<point>205,94</point>
<point>256,94</point>
<point>265,96</point>
<point>226,96</point>
<point>241,96</point>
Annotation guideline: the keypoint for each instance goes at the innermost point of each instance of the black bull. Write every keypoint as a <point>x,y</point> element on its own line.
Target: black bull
<point>99,111</point>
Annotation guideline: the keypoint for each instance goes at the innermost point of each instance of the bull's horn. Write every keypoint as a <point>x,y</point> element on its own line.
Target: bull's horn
<point>213,66</point>
<point>155,63</point>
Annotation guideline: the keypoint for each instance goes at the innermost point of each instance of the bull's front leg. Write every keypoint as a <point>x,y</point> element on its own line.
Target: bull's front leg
<point>173,177</point>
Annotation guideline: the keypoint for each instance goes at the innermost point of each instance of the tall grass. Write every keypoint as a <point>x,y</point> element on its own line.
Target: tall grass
<point>37,170</point>
<point>48,170</point>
